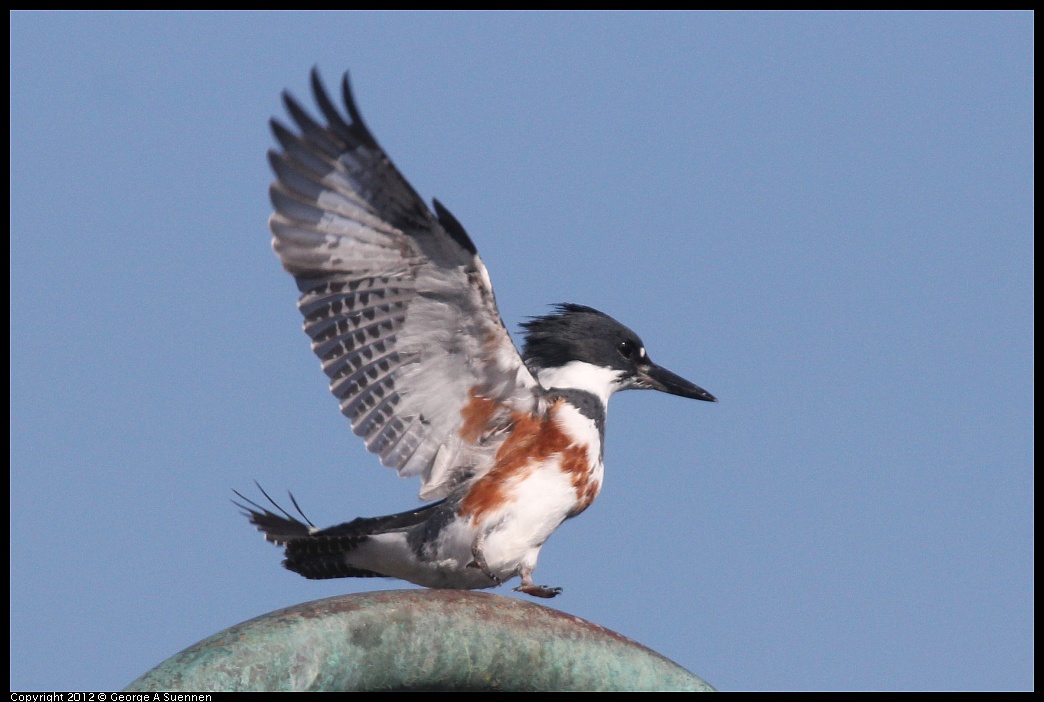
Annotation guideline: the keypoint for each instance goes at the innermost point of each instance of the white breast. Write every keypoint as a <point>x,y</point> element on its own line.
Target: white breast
<point>543,496</point>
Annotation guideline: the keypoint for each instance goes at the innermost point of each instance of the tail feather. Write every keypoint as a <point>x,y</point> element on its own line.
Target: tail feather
<point>318,554</point>
<point>325,567</point>
<point>279,530</point>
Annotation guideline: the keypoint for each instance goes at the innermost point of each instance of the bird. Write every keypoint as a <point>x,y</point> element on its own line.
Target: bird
<point>401,314</point>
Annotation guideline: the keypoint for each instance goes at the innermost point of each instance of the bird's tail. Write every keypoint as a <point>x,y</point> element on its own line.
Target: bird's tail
<point>319,554</point>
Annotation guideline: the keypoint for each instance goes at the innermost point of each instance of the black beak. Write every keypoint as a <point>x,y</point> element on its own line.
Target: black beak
<point>654,377</point>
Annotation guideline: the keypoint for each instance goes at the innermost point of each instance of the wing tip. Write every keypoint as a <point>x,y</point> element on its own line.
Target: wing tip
<point>454,228</point>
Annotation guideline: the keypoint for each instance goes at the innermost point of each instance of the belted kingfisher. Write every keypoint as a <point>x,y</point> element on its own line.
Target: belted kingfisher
<point>400,311</point>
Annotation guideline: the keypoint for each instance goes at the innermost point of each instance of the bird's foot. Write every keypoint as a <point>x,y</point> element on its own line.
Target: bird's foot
<point>539,590</point>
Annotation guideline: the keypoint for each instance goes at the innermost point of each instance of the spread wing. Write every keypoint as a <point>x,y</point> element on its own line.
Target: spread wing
<point>396,300</point>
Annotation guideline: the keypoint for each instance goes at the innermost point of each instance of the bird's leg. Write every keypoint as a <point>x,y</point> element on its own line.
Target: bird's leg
<point>479,561</point>
<point>529,588</point>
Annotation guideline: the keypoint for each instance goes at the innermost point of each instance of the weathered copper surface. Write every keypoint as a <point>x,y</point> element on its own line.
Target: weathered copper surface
<point>417,640</point>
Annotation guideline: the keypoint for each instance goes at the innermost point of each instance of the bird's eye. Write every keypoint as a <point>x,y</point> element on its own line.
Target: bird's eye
<point>628,350</point>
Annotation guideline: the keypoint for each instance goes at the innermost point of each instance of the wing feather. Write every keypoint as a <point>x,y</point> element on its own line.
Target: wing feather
<point>395,299</point>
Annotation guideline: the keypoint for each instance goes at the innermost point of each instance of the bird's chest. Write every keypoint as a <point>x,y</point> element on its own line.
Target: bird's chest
<point>548,469</point>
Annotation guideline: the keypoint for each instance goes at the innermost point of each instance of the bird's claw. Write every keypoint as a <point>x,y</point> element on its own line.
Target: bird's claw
<point>539,590</point>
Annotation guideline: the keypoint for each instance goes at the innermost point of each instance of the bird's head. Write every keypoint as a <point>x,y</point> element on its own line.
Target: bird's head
<point>581,348</point>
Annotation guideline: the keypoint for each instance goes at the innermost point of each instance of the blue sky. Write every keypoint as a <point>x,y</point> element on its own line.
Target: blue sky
<point>824,219</point>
